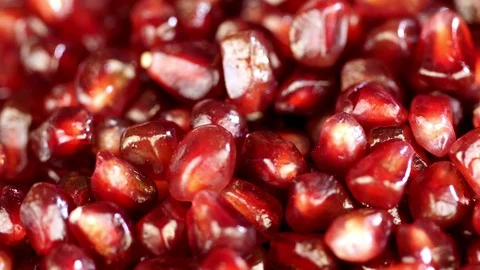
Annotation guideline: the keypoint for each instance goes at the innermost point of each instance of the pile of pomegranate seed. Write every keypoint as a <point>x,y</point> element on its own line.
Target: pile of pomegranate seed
<point>240,134</point>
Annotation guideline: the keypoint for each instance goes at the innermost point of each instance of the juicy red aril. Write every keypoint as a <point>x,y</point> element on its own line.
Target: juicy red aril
<point>465,154</point>
<point>6,260</point>
<point>268,158</point>
<point>440,194</point>
<point>393,42</point>
<point>278,23</point>
<point>342,142</point>
<point>431,119</point>
<point>104,230</point>
<point>198,18</point>
<point>51,59</point>
<point>68,257</point>
<point>386,8</point>
<point>304,92</point>
<point>108,134</point>
<point>424,242</point>
<point>204,159</point>
<point>301,251</point>
<point>117,181</point>
<point>106,82</point>
<point>153,22</point>
<point>223,258</point>
<point>380,178</point>
<point>163,230</point>
<point>369,70</point>
<point>149,146</point>
<point>445,55</point>
<point>213,223</point>
<point>258,259</point>
<point>259,207</point>
<point>168,263</point>
<point>15,120</point>
<point>61,95</point>
<point>66,132</point>
<point>44,213</point>
<point>476,218</point>
<point>12,230</point>
<point>146,106</point>
<point>215,112</point>
<point>229,27</point>
<point>300,140</point>
<point>249,64</point>
<point>359,236</point>
<point>188,71</point>
<point>314,201</point>
<point>319,32</point>
<point>372,104</point>
<point>78,186</point>
<point>179,116</point>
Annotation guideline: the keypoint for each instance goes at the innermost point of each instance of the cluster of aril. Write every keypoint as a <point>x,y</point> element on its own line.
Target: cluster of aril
<point>235,135</point>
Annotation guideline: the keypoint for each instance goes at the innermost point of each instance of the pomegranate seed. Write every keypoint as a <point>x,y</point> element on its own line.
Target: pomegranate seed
<point>103,229</point>
<point>66,132</point>
<point>342,142</point>
<point>170,263</point>
<point>213,223</point>
<point>393,42</point>
<point>278,23</point>
<point>445,55</point>
<point>315,124</point>
<point>424,242</point>
<point>204,159</point>
<point>106,82</point>
<point>319,31</point>
<point>259,207</point>
<point>215,112</point>
<point>469,9</point>
<point>258,259</point>
<point>249,64</point>
<point>149,146</point>
<point>301,142</point>
<point>188,71</point>
<point>439,194</point>
<point>473,252</point>
<point>108,135</point>
<point>223,259</point>
<point>431,119</point>
<point>347,235</point>
<point>198,18</point>
<point>51,59</point>
<point>179,116</point>
<point>72,20</point>
<point>163,230</point>
<point>229,27</point>
<point>148,104</point>
<point>61,95</point>
<point>380,135</point>
<point>77,186</point>
<point>476,218</point>
<point>372,104</point>
<point>471,266</point>
<point>12,231</point>
<point>117,181</point>
<point>464,154</point>
<point>299,251</point>
<point>408,266</point>
<point>269,158</point>
<point>314,201</point>
<point>379,179</point>
<point>363,70</point>
<point>68,257</point>
<point>15,120</point>
<point>386,8</point>
<point>153,22</point>
<point>304,93</point>
<point>44,213</point>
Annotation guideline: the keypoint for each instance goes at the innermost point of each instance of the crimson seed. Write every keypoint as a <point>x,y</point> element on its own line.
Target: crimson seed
<point>240,134</point>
